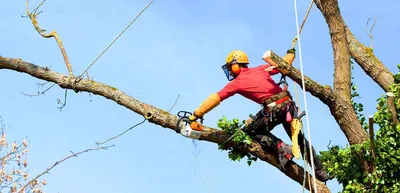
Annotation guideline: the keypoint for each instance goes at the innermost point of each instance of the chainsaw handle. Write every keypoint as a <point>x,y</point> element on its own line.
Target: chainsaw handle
<point>185,114</point>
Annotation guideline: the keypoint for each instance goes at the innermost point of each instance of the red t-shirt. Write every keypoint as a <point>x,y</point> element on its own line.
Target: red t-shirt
<point>255,84</point>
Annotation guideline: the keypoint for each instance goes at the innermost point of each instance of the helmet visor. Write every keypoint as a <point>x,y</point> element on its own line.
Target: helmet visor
<point>227,73</point>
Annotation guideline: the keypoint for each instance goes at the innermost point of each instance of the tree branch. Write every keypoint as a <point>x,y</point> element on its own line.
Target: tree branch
<point>367,60</point>
<point>40,92</point>
<point>58,162</point>
<point>341,110</point>
<point>155,115</point>
<point>52,34</point>
<point>342,73</point>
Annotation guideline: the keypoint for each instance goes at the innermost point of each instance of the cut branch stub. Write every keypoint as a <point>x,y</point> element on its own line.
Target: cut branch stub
<point>392,107</point>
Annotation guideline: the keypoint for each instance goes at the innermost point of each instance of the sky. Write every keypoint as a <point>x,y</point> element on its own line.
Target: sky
<point>175,48</point>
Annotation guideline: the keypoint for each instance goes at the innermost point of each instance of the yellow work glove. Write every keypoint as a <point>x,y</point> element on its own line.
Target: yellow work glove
<point>211,102</point>
<point>289,58</point>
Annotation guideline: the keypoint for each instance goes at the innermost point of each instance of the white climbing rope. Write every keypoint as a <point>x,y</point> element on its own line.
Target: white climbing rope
<point>304,95</point>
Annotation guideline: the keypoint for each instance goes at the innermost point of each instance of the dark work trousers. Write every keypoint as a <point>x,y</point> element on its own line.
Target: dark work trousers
<point>265,122</point>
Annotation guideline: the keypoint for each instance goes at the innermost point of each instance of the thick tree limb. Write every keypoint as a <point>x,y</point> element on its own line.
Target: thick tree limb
<point>371,65</point>
<point>342,74</point>
<point>153,114</point>
<point>341,110</point>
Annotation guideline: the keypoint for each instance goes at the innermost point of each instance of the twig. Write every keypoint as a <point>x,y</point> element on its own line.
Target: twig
<point>58,162</point>
<point>40,93</point>
<point>52,34</point>
<point>174,103</point>
<point>370,31</point>
<point>15,152</point>
<point>112,138</point>
<point>329,144</point>
<point>372,141</point>
<point>37,8</point>
<point>65,100</point>
<point>89,78</point>
<point>115,39</point>
<point>392,107</point>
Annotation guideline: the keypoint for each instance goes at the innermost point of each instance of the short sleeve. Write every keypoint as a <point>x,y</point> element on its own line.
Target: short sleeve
<point>229,90</point>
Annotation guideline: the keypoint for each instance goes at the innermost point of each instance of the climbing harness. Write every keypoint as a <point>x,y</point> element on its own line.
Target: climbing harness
<point>188,128</point>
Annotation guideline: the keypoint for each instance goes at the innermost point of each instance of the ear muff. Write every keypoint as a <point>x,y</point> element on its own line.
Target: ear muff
<point>235,68</point>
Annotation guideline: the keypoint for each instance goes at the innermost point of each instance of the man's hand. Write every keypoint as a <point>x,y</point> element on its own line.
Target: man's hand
<point>269,69</point>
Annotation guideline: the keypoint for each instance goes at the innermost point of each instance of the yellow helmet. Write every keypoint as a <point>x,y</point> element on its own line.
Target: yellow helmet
<point>239,56</point>
<point>233,63</point>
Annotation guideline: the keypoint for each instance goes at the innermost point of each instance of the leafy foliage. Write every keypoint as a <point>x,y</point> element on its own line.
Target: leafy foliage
<point>358,107</point>
<point>345,165</point>
<point>240,138</point>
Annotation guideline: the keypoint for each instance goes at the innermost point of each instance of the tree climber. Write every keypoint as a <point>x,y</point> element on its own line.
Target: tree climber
<point>257,85</point>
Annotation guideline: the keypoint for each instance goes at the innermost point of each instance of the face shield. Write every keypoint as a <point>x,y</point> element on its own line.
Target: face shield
<point>227,72</point>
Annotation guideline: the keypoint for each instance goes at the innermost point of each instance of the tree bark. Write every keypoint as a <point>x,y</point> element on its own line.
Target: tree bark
<point>342,73</point>
<point>341,110</point>
<point>371,65</point>
<point>153,114</point>
<point>392,108</point>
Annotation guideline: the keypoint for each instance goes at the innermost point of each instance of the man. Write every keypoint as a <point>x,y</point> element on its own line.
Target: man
<point>257,85</point>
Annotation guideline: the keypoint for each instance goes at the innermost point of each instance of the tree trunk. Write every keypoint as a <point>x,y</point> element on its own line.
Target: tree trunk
<point>342,73</point>
<point>152,114</point>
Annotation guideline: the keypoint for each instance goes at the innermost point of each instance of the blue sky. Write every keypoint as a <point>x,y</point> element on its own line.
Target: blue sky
<point>175,48</point>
